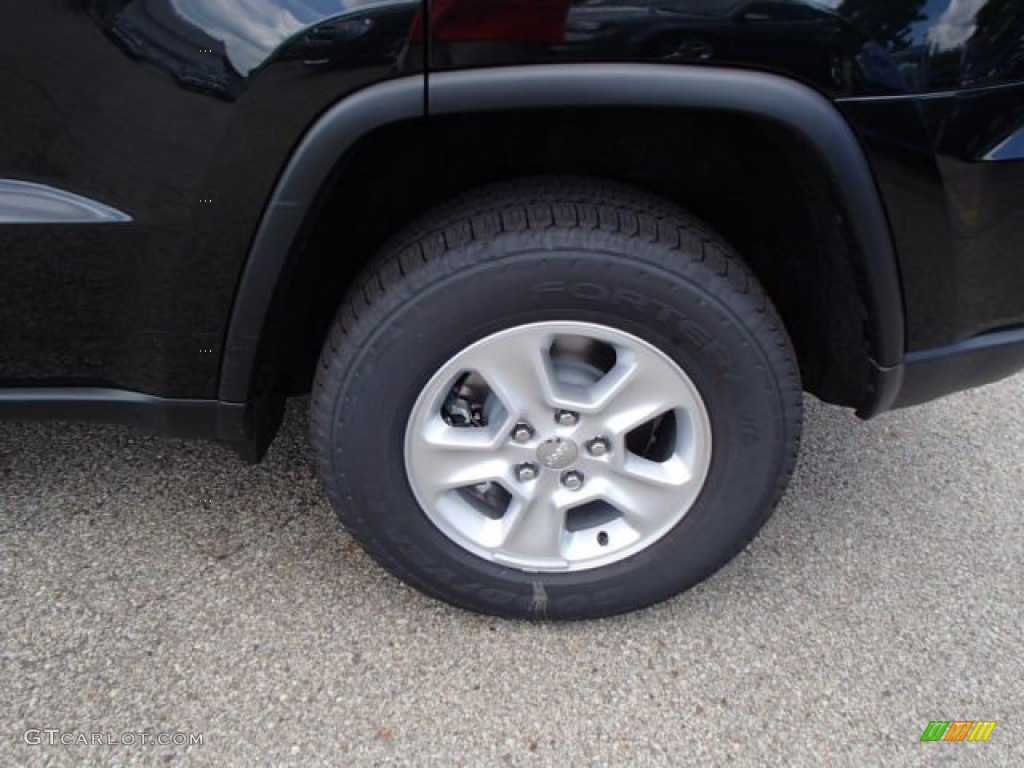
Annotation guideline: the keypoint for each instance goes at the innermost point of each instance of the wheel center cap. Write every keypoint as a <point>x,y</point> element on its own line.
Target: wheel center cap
<point>557,453</point>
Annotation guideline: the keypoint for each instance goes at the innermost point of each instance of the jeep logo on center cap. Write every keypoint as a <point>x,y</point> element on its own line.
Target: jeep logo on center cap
<point>557,453</point>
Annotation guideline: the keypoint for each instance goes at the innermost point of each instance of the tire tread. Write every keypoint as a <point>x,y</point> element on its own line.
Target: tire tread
<point>670,237</point>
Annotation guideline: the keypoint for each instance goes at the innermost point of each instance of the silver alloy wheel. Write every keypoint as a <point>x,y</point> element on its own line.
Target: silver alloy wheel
<point>576,493</point>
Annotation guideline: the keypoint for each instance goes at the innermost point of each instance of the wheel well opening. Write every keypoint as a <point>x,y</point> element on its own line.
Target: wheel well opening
<point>755,182</point>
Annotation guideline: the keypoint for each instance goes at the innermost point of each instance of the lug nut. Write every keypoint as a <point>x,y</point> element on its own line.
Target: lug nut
<point>522,432</point>
<point>598,447</point>
<point>567,418</point>
<point>572,480</point>
<point>526,472</point>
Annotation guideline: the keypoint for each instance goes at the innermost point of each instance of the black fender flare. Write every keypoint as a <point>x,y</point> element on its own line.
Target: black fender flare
<point>755,94</point>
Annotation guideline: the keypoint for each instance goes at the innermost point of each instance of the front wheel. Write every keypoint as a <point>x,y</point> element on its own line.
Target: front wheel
<point>556,398</point>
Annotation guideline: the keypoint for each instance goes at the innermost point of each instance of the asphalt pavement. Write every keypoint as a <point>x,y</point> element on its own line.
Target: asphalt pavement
<point>156,586</point>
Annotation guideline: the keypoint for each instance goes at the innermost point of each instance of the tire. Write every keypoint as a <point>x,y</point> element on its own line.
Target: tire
<point>632,308</point>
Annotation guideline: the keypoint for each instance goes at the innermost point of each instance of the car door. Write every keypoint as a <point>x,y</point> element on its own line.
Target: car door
<point>141,140</point>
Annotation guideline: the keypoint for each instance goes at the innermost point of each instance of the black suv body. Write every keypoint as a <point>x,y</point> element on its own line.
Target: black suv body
<point>189,192</point>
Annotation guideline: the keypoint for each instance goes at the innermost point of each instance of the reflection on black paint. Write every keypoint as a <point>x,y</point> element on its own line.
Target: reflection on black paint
<point>956,44</point>
<point>844,47</point>
<point>808,41</point>
<point>995,52</point>
<point>153,31</point>
<point>153,106</point>
<point>933,156</point>
<point>369,37</point>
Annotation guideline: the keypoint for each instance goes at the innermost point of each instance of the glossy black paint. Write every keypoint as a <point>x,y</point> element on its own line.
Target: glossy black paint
<point>952,177</point>
<point>937,372</point>
<point>933,87</point>
<point>295,195</point>
<point>181,114</point>
<point>185,417</point>
<point>184,114</point>
<point>845,47</point>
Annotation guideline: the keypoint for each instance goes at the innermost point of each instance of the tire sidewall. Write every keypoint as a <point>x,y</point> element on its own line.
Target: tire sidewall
<point>691,314</point>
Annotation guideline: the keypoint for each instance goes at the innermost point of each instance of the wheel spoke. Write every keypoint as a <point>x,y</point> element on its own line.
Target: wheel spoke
<point>636,394</point>
<point>517,372</point>
<point>454,470</point>
<point>534,531</point>
<point>436,434</point>
<point>646,492</point>
<point>456,457</point>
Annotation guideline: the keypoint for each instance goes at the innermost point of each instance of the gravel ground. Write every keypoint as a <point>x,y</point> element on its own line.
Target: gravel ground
<point>154,585</point>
